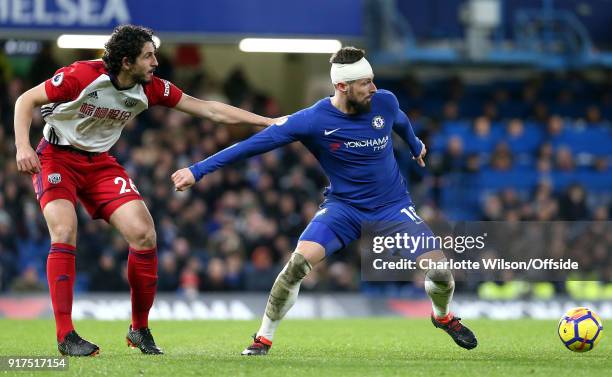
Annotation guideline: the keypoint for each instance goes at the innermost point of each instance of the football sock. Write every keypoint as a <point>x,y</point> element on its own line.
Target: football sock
<point>61,272</point>
<point>439,285</point>
<point>142,276</point>
<point>268,327</point>
<point>283,294</point>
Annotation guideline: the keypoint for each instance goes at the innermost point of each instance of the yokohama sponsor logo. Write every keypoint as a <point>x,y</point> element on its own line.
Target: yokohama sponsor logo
<point>378,143</point>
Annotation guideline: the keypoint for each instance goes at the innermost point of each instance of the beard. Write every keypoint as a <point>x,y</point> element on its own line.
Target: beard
<point>141,79</point>
<point>358,107</point>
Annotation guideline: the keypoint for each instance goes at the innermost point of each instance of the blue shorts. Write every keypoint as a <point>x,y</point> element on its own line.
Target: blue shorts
<point>337,224</point>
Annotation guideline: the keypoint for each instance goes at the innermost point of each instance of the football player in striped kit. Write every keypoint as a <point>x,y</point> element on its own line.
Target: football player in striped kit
<point>85,106</point>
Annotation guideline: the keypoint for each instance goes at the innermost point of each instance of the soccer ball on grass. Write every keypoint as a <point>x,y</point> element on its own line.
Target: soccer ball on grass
<point>580,329</point>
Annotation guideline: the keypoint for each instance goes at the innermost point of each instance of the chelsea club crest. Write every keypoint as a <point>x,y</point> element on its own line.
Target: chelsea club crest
<point>378,122</point>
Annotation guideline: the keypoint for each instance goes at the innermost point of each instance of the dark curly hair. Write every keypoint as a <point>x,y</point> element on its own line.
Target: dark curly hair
<point>347,55</point>
<point>126,41</point>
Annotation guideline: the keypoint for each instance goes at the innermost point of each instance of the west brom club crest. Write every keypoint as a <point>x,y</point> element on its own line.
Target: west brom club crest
<point>378,122</point>
<point>130,102</point>
<point>54,178</point>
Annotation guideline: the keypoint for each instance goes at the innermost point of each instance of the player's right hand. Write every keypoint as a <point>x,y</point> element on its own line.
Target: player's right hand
<point>27,160</point>
<point>183,179</point>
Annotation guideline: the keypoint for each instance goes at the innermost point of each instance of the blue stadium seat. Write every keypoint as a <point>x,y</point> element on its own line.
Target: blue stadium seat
<point>561,180</point>
<point>595,181</point>
<point>596,141</point>
<point>528,142</point>
<point>481,145</point>
<point>519,179</point>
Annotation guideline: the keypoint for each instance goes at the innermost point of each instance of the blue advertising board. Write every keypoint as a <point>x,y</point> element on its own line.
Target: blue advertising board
<point>217,17</point>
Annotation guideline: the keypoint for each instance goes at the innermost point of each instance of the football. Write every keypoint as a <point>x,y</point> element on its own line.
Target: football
<point>580,329</point>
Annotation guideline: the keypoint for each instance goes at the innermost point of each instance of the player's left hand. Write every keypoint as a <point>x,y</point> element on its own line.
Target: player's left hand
<point>183,179</point>
<point>419,159</point>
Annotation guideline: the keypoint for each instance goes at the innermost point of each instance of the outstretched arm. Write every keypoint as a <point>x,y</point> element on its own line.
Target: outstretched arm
<point>286,131</point>
<point>220,112</point>
<point>404,129</point>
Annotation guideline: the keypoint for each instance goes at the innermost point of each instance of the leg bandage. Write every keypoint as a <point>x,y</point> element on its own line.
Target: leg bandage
<point>440,285</point>
<point>286,287</point>
<point>284,293</point>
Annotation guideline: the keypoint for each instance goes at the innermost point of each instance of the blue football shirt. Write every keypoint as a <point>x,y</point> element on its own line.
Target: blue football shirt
<point>355,151</point>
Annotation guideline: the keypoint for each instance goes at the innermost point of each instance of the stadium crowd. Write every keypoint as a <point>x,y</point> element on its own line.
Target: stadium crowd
<point>534,150</point>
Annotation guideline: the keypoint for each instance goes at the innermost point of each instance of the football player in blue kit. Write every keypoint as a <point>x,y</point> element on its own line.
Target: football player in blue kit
<point>350,135</point>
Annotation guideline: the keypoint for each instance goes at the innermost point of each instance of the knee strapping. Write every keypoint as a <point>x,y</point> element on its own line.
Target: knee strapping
<point>287,284</point>
<point>441,279</point>
<point>296,269</point>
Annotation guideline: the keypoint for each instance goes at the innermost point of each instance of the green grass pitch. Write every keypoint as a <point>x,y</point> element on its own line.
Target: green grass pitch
<point>352,347</point>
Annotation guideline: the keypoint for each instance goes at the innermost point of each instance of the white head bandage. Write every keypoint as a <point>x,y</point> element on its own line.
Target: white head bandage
<point>361,69</point>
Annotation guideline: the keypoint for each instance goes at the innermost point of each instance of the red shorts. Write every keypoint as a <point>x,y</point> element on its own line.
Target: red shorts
<point>96,179</point>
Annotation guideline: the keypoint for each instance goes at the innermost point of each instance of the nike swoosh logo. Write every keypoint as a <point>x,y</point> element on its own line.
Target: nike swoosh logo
<point>330,132</point>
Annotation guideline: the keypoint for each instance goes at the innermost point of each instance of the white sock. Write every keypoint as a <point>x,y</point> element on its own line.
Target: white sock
<point>268,327</point>
<point>441,294</point>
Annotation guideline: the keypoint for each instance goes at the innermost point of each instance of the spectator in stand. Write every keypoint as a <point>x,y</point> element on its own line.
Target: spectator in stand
<point>261,272</point>
<point>168,277</point>
<point>573,204</point>
<point>105,277</point>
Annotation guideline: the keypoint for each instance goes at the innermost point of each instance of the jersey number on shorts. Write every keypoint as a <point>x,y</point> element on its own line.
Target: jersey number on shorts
<point>410,212</point>
<point>124,189</point>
